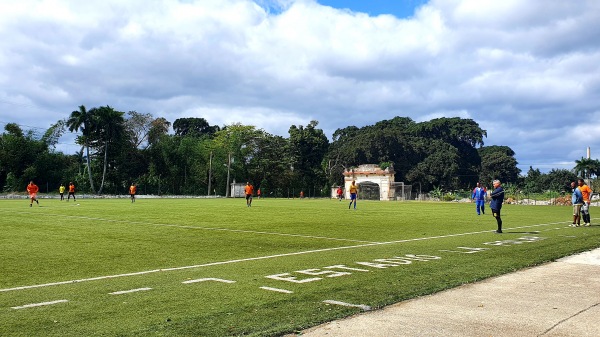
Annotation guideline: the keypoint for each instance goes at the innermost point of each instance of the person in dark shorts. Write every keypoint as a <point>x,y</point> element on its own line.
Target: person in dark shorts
<point>132,191</point>
<point>61,191</point>
<point>249,190</point>
<point>71,191</point>
<point>496,203</point>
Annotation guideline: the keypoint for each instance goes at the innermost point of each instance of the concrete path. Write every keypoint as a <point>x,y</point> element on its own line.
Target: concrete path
<point>560,298</point>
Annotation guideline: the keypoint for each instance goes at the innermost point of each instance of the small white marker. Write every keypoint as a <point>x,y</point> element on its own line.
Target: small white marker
<point>362,306</point>
<point>39,304</point>
<point>208,279</point>
<point>129,291</point>
<point>278,290</point>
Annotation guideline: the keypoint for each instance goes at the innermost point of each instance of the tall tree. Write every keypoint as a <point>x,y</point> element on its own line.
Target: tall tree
<point>158,128</point>
<point>438,168</point>
<point>413,148</point>
<point>269,165</point>
<point>236,145</point>
<point>559,180</point>
<point>498,162</point>
<point>138,126</point>
<point>193,126</point>
<point>464,135</point>
<point>53,134</point>
<point>533,182</point>
<point>587,167</point>
<point>109,127</point>
<point>308,147</point>
<point>82,120</point>
<point>18,153</point>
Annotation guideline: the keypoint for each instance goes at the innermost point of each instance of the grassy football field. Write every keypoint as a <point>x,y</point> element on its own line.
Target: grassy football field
<point>214,267</point>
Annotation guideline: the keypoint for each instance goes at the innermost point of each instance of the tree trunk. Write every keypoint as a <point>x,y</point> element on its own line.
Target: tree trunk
<point>89,165</point>
<point>104,170</point>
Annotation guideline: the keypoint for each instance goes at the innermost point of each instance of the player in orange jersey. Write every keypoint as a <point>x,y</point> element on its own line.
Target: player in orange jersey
<point>132,190</point>
<point>249,190</point>
<point>32,189</point>
<point>71,191</point>
<point>586,192</point>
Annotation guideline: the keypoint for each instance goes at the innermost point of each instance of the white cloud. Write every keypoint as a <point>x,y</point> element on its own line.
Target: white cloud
<point>524,70</point>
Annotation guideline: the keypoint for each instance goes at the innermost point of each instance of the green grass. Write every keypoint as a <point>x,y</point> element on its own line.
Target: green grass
<point>82,253</point>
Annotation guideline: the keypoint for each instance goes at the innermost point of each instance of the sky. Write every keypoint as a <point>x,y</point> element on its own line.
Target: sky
<point>528,72</point>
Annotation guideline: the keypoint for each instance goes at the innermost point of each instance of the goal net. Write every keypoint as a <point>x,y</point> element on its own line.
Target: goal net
<point>401,191</point>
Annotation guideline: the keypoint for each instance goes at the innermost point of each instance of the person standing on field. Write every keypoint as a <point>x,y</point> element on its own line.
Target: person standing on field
<point>586,193</point>
<point>61,191</point>
<point>496,204</point>
<point>132,190</point>
<point>249,190</point>
<point>577,201</point>
<point>340,193</point>
<point>353,194</point>
<point>71,191</point>
<point>479,194</point>
<point>32,189</point>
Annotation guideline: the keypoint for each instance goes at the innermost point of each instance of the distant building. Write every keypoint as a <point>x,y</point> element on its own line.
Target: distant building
<point>371,174</point>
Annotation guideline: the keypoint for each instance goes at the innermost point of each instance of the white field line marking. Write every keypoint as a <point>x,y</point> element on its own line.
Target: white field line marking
<point>218,263</point>
<point>362,306</point>
<point>208,279</point>
<point>278,290</point>
<point>195,227</point>
<point>39,304</point>
<point>129,291</point>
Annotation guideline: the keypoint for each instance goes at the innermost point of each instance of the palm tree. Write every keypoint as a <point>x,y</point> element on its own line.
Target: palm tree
<point>82,120</point>
<point>587,167</point>
<point>110,126</point>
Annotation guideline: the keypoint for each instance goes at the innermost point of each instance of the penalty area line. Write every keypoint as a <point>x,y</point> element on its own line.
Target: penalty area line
<point>33,305</point>
<point>129,291</point>
<point>277,290</point>
<point>208,279</point>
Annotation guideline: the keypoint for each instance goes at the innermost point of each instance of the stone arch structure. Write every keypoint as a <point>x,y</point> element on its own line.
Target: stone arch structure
<point>371,173</point>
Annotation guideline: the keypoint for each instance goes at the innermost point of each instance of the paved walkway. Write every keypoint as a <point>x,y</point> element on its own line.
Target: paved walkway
<point>560,298</point>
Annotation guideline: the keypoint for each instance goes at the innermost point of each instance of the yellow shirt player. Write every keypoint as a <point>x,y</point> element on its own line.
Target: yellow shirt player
<point>61,191</point>
<point>586,192</point>
<point>353,194</point>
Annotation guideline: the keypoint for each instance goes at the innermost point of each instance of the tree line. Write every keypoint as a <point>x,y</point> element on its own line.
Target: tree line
<point>196,158</point>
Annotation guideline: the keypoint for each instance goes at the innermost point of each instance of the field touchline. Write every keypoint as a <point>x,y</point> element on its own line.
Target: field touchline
<point>257,258</point>
<point>193,227</point>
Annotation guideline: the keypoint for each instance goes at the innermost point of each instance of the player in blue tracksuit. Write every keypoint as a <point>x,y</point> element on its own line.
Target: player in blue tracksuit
<point>479,194</point>
<point>496,204</point>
